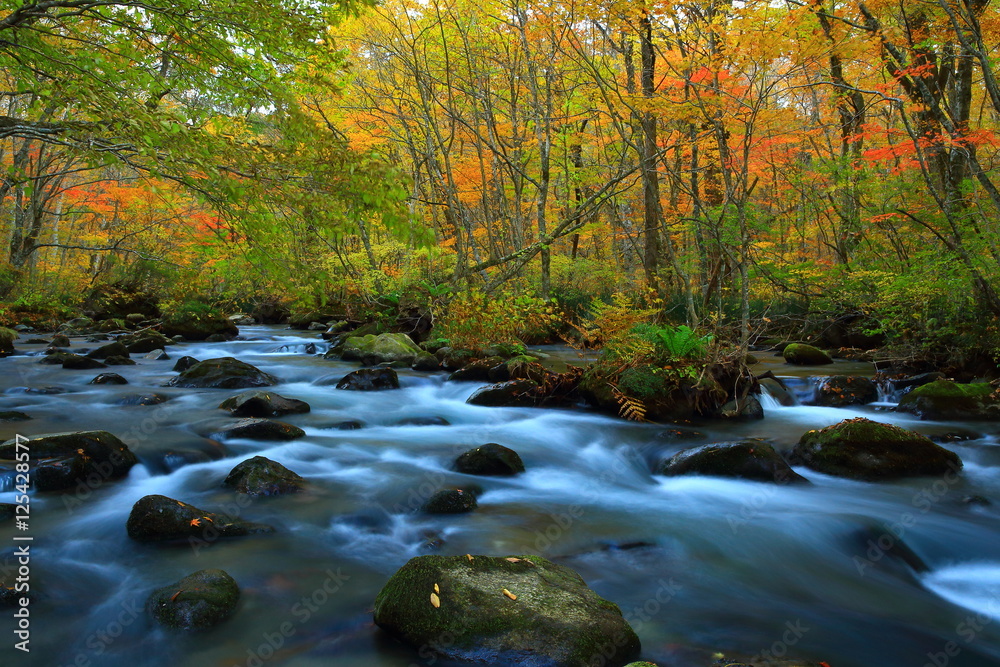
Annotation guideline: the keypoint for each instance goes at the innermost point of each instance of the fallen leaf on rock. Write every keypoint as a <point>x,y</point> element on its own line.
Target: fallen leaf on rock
<point>509,594</point>
<point>435,601</point>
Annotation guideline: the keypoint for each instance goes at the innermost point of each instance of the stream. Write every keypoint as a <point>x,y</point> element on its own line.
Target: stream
<point>698,565</point>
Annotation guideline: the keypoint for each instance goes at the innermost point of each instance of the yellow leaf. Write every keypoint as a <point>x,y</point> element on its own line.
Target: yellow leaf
<point>436,589</point>
<point>435,600</point>
<point>509,594</point>
<point>469,557</point>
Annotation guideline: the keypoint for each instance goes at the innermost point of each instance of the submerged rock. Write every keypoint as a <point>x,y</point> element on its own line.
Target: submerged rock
<point>805,355</point>
<point>223,373</point>
<point>262,429</point>
<point>142,399</point>
<point>65,460</point>
<point>862,449</point>
<point>260,476</point>
<point>199,601</point>
<point>370,379</point>
<point>490,459</point>
<point>13,416</point>
<point>158,518</point>
<point>945,400</point>
<point>451,501</point>
<point>750,459</point>
<point>518,610</point>
<point>262,404</point>
<point>838,391</point>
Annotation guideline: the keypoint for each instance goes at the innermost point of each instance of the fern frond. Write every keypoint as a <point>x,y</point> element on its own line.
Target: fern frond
<point>629,408</point>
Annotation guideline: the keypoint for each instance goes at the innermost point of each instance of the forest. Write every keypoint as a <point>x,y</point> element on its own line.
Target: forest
<point>745,169</point>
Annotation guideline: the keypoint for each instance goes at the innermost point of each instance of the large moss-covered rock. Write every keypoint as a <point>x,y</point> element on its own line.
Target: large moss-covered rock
<point>158,518</point>
<point>947,400</point>
<point>838,391</point>
<point>518,610</point>
<point>490,459</point>
<point>199,601</point>
<point>7,338</point>
<point>805,355</point>
<point>66,460</point>
<point>862,449</point>
<point>223,373</point>
<point>260,476</point>
<point>397,349</point>
<point>750,459</point>
<point>369,379</point>
<point>259,403</point>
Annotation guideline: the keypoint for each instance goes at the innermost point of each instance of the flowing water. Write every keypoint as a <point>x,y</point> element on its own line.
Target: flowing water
<point>698,565</point>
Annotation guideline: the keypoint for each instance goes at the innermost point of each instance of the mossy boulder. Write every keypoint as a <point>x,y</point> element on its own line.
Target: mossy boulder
<point>451,501</point>
<point>801,354</point>
<point>260,476</point>
<point>145,341</point>
<point>512,394</point>
<point>490,459</point>
<point>838,391</point>
<point>425,361</point>
<point>396,349</point>
<point>952,401</point>
<point>157,518</point>
<point>66,460</point>
<point>199,601</point>
<point>522,610</point>
<point>259,403</point>
<point>867,450</point>
<point>750,459</point>
<point>370,379</point>
<point>223,373</point>
<point>262,429</point>
<point>7,338</point>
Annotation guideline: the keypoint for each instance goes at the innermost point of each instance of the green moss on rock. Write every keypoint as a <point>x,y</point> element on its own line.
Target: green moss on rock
<point>867,450</point>
<point>551,618</point>
<point>199,601</point>
<point>805,355</point>
<point>948,400</point>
